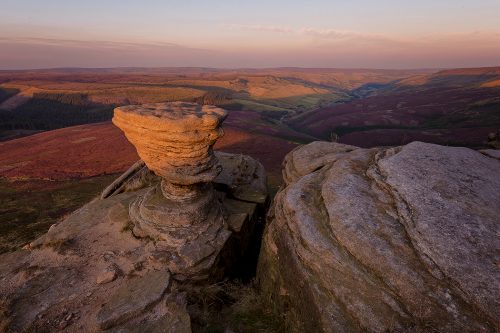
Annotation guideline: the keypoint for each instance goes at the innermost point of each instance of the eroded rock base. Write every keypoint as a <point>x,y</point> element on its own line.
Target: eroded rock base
<point>188,235</point>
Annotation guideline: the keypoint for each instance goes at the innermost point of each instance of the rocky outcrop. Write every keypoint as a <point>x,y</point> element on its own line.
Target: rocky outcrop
<point>127,262</point>
<point>175,141</point>
<point>396,239</point>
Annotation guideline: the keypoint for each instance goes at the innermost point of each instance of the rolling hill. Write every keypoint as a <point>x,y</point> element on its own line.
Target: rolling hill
<point>453,107</point>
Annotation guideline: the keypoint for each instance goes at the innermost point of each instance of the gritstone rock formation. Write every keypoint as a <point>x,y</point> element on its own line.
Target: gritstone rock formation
<point>126,262</point>
<point>175,142</point>
<point>402,240</point>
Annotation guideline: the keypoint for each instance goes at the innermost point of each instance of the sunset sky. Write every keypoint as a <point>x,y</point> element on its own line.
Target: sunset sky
<point>321,33</point>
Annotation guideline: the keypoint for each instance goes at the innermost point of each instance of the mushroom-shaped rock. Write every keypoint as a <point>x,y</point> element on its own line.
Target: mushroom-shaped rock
<point>175,141</point>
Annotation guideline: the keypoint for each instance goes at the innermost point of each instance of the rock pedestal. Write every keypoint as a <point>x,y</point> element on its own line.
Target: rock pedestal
<point>175,142</point>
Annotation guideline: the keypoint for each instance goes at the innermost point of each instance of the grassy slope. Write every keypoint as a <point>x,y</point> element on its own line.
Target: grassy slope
<point>458,107</point>
<point>29,207</point>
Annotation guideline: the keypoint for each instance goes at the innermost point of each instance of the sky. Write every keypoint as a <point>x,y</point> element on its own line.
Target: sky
<point>243,34</point>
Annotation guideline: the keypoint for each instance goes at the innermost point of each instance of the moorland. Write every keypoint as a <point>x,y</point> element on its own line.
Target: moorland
<point>58,148</point>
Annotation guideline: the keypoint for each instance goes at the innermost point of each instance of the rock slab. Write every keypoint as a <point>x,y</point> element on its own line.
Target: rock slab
<point>402,239</point>
<point>133,298</point>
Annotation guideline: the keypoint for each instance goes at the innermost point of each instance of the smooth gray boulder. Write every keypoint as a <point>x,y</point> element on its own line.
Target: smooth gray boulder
<point>399,239</point>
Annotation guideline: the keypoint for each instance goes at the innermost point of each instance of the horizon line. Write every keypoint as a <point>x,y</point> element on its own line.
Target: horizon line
<point>245,68</point>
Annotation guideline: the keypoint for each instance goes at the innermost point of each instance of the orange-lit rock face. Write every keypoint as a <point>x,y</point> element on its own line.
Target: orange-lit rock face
<point>174,139</point>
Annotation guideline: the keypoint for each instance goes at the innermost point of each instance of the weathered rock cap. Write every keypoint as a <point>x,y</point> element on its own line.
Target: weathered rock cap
<point>176,117</point>
<point>174,139</point>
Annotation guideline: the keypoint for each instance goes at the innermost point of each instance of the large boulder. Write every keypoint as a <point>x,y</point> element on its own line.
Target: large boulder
<point>387,239</point>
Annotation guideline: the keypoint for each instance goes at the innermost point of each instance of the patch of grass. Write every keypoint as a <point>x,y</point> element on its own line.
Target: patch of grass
<point>482,113</point>
<point>307,102</point>
<point>29,207</point>
<point>494,102</point>
<point>6,93</point>
<point>233,307</point>
<point>343,130</point>
<point>248,105</point>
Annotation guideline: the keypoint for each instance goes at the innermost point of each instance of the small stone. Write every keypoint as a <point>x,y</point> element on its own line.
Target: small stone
<point>239,213</point>
<point>244,177</point>
<point>108,275</point>
<point>193,253</point>
<point>236,221</point>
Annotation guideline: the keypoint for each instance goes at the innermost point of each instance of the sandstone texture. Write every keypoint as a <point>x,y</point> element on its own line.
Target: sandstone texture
<point>103,268</point>
<point>174,139</point>
<point>132,298</point>
<point>385,240</point>
<point>491,153</point>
